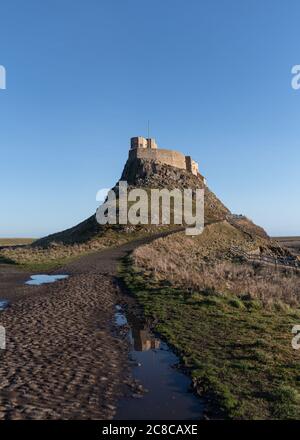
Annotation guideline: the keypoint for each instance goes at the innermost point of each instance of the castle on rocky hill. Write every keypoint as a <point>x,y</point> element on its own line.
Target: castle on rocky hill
<point>142,148</point>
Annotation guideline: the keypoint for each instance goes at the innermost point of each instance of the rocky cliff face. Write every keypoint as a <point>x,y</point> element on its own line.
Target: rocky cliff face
<point>142,173</point>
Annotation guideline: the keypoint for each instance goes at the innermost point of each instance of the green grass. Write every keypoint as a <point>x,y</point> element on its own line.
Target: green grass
<point>239,353</point>
<point>44,266</point>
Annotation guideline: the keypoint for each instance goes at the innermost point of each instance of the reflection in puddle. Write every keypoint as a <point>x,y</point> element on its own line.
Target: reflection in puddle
<point>143,340</point>
<point>168,395</point>
<point>36,280</point>
<point>3,304</point>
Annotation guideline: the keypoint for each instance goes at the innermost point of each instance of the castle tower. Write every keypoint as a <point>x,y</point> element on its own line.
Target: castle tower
<point>141,142</point>
<point>138,142</point>
<point>191,165</point>
<point>151,143</point>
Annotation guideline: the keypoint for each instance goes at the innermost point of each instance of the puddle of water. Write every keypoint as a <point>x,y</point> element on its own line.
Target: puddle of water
<point>120,319</point>
<point>37,280</point>
<point>3,304</point>
<point>168,396</point>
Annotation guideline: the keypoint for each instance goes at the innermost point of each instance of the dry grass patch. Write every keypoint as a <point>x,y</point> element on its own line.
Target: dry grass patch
<point>15,241</point>
<point>57,253</point>
<point>206,263</point>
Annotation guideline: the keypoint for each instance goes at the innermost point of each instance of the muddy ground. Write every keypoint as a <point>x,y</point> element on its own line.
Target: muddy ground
<point>64,357</point>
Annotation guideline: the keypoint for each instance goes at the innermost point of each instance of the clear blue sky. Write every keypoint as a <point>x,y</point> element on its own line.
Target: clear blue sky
<point>213,77</point>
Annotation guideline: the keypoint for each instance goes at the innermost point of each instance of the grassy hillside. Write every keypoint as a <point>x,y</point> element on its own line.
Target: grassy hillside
<point>89,236</point>
<point>56,254</point>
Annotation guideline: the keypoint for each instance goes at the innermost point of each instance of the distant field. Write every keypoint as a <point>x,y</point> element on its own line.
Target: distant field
<point>15,241</point>
<point>292,243</point>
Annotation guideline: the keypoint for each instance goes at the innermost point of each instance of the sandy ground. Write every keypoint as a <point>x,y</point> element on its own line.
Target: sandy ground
<point>64,357</point>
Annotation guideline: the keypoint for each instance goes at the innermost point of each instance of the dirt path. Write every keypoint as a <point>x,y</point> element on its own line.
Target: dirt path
<point>64,359</point>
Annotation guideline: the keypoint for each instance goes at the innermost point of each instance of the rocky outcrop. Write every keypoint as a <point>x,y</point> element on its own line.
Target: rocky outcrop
<point>143,173</point>
<point>147,174</point>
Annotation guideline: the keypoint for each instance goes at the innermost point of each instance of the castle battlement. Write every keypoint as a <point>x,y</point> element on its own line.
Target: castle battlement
<point>143,148</point>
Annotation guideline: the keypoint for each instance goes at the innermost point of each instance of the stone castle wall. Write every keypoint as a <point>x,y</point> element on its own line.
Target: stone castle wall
<point>169,157</point>
<point>142,148</point>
